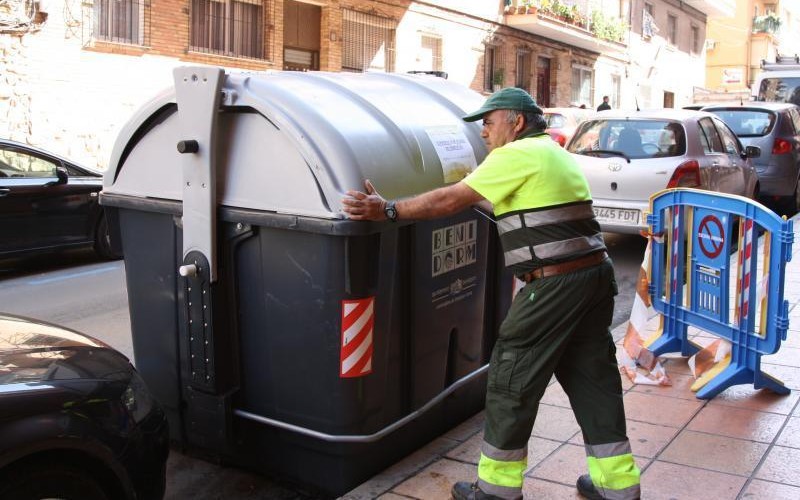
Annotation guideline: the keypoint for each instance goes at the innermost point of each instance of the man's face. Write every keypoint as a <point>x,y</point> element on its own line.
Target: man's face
<point>496,129</point>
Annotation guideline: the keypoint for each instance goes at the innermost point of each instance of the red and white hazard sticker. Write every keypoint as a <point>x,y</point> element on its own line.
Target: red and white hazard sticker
<point>358,319</point>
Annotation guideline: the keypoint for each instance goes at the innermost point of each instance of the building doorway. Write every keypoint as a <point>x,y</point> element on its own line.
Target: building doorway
<point>669,99</point>
<point>301,36</point>
<point>543,82</point>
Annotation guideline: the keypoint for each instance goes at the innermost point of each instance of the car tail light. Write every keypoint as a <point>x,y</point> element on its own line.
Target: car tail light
<point>781,147</point>
<point>559,138</point>
<point>686,175</point>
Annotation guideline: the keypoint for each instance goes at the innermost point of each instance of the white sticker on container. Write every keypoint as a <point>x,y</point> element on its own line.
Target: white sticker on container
<point>454,150</point>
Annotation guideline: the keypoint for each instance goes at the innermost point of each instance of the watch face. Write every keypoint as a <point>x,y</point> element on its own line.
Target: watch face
<point>390,211</point>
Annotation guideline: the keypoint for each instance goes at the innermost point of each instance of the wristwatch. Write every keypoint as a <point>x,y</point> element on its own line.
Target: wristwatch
<point>390,211</point>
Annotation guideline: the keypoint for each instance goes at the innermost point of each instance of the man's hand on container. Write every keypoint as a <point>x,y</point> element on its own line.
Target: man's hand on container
<point>367,205</point>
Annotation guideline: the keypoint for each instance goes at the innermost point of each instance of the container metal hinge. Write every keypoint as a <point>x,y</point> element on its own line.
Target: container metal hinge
<point>198,94</point>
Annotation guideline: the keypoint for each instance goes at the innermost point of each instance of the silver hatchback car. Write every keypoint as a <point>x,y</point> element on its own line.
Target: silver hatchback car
<point>629,155</point>
<point>775,128</point>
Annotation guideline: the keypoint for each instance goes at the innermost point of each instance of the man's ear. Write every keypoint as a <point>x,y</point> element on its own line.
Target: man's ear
<point>519,125</point>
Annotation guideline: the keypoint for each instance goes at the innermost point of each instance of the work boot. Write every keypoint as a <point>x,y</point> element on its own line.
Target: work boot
<point>586,488</point>
<point>463,490</point>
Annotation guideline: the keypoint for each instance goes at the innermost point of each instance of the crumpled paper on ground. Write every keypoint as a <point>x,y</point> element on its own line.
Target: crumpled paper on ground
<point>636,361</point>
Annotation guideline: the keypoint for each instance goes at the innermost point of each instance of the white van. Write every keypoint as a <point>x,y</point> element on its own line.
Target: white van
<point>778,81</point>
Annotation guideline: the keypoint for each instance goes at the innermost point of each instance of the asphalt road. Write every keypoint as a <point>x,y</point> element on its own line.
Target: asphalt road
<point>78,291</point>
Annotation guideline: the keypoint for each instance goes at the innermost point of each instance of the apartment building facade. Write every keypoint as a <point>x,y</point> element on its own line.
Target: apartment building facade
<point>73,71</point>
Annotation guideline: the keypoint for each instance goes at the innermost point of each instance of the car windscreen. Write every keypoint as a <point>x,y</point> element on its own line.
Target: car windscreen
<point>780,89</point>
<point>633,138</point>
<point>747,122</point>
<point>555,120</point>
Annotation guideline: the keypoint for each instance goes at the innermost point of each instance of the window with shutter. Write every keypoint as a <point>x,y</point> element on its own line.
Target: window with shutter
<point>368,42</point>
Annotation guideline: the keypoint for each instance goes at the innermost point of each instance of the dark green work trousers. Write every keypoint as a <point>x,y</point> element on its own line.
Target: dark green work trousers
<point>557,325</point>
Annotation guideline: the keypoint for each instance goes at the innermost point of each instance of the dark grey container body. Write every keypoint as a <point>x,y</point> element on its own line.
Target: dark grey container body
<point>260,383</point>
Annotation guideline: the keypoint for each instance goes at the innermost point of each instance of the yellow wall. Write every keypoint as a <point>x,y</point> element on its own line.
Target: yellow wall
<point>733,61</point>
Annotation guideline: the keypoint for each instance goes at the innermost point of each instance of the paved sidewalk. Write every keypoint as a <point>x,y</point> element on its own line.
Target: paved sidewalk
<point>741,444</point>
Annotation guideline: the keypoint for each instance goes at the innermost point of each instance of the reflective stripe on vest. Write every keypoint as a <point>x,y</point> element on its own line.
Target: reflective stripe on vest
<point>613,470</point>
<point>545,236</point>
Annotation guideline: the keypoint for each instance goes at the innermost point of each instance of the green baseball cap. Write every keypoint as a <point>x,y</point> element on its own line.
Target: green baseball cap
<point>507,98</point>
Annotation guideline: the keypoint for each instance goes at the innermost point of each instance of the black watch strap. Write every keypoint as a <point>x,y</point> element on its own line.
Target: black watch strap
<point>390,211</point>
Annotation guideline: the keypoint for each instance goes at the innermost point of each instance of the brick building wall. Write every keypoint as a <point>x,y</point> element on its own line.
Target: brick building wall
<point>65,90</point>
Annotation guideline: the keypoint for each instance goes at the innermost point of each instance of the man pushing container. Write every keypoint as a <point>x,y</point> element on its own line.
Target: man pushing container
<point>559,321</point>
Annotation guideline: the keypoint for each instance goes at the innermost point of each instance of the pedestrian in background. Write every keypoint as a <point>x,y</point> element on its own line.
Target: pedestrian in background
<point>604,105</point>
<point>559,321</point>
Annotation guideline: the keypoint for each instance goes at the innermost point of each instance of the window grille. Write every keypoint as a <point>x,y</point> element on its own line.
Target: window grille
<point>672,29</point>
<point>581,85</point>
<point>368,42</point>
<point>493,68</point>
<point>431,52</point>
<point>523,70</point>
<point>228,27</point>
<point>122,21</point>
<point>488,67</point>
<point>695,40</point>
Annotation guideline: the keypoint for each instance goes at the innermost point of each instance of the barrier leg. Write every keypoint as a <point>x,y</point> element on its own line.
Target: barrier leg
<point>673,339</point>
<point>766,381</point>
<point>667,343</point>
<point>735,375</point>
<point>732,375</point>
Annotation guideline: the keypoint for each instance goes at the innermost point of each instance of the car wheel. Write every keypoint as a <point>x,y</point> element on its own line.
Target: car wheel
<point>790,205</point>
<point>795,203</point>
<point>102,240</point>
<point>51,480</point>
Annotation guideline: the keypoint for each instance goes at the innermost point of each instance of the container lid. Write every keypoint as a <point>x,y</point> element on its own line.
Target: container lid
<point>295,142</point>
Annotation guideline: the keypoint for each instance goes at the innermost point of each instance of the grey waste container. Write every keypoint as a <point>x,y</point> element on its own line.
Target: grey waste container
<point>277,334</point>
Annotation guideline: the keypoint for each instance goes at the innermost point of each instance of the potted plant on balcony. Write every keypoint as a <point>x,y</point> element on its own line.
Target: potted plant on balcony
<point>528,7</point>
<point>768,23</point>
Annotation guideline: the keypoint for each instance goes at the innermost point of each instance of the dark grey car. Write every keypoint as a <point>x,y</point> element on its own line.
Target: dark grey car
<point>775,128</point>
<point>76,420</point>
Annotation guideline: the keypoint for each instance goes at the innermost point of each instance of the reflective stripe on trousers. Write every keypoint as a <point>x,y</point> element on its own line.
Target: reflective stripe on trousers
<point>613,470</point>
<point>500,471</point>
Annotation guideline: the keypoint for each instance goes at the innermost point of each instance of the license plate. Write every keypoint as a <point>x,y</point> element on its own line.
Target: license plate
<point>616,215</point>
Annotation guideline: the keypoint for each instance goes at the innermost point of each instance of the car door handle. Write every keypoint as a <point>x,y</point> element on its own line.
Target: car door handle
<point>4,191</point>
<point>715,164</point>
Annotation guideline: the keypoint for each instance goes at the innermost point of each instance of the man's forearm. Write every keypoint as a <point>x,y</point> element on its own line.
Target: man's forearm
<point>437,203</point>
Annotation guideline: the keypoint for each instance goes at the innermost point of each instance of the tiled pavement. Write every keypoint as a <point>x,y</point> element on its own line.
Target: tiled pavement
<point>742,444</point>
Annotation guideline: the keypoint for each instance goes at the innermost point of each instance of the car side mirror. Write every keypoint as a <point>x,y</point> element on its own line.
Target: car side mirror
<point>62,176</point>
<point>752,152</point>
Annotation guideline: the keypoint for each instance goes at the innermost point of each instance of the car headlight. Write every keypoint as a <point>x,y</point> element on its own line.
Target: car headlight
<point>137,399</point>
